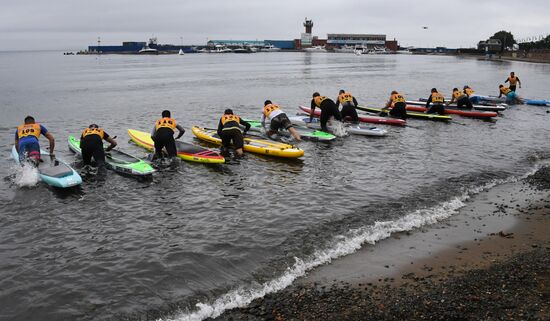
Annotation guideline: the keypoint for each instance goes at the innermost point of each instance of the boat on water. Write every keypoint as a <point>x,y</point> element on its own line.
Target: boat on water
<point>245,49</point>
<point>315,49</point>
<point>148,51</point>
<point>345,49</point>
<point>219,49</point>
<point>269,48</point>
<point>181,53</point>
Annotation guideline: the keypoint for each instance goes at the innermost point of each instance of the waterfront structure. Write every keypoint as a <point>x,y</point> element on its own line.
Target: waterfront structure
<point>369,41</point>
<point>492,45</point>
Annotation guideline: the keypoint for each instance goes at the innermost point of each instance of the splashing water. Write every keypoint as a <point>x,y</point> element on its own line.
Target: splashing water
<point>26,176</point>
<point>338,128</point>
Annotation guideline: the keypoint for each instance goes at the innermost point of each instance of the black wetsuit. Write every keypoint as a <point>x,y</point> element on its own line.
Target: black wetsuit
<point>164,139</point>
<point>92,147</point>
<point>464,102</point>
<point>348,109</point>
<point>230,132</point>
<point>435,107</point>
<point>328,109</point>
<point>512,87</point>
<point>399,110</point>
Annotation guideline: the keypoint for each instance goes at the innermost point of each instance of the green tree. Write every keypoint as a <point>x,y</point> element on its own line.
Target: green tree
<point>506,38</point>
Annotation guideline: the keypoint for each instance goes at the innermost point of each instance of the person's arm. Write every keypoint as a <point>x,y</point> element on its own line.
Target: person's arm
<point>245,124</point>
<point>312,110</point>
<point>182,131</point>
<point>337,101</point>
<point>111,141</point>
<point>499,93</point>
<point>16,141</point>
<point>429,101</point>
<point>355,102</point>
<point>153,132</point>
<point>507,79</point>
<point>220,127</point>
<point>519,82</point>
<point>50,138</point>
<point>388,104</point>
<point>263,120</point>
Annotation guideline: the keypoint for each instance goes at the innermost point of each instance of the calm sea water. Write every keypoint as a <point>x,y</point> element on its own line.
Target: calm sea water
<point>218,236</point>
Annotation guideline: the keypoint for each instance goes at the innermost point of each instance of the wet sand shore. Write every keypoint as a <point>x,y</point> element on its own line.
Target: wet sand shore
<point>491,261</point>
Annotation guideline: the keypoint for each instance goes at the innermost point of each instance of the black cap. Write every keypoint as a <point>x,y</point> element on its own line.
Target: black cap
<point>434,90</point>
<point>316,94</point>
<point>342,91</point>
<point>228,111</point>
<point>93,126</point>
<point>267,102</point>
<point>165,113</point>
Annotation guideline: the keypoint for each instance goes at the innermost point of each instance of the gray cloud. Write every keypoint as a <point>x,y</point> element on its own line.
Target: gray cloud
<point>63,24</point>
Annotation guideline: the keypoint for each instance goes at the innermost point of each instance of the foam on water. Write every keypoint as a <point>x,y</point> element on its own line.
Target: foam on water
<point>341,245</point>
<point>26,176</point>
<point>337,128</point>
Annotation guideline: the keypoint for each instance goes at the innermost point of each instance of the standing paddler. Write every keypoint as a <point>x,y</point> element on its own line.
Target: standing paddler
<point>513,80</point>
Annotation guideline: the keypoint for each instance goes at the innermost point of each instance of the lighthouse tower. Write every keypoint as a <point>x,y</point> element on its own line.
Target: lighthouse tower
<point>307,37</point>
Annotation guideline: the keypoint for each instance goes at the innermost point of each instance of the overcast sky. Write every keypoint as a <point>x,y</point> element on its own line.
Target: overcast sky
<point>75,24</point>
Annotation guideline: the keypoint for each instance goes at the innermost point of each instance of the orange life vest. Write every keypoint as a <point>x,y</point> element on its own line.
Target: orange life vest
<point>469,91</point>
<point>396,98</point>
<point>513,80</point>
<point>166,122</point>
<point>457,94</point>
<point>229,118</point>
<point>268,109</point>
<point>437,98</point>
<point>505,90</point>
<point>26,130</point>
<point>93,131</point>
<point>318,100</point>
<point>345,98</point>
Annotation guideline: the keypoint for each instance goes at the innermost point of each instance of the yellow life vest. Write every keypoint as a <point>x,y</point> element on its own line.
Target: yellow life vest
<point>229,118</point>
<point>505,90</point>
<point>318,100</point>
<point>513,80</point>
<point>437,98</point>
<point>268,109</point>
<point>166,122</point>
<point>345,98</point>
<point>397,98</point>
<point>93,131</point>
<point>457,94</point>
<point>469,91</point>
<point>26,130</point>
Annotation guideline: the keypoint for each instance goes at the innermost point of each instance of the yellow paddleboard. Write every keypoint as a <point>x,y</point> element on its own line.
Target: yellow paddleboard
<point>252,145</point>
<point>186,151</point>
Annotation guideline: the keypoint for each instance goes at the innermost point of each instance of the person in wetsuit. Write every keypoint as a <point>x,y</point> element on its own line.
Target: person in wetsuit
<point>328,109</point>
<point>349,103</point>
<point>397,105</point>
<point>26,140</point>
<point>470,93</point>
<point>513,80</point>
<point>91,144</point>
<point>163,135</point>
<point>277,120</point>
<point>511,97</point>
<point>229,131</point>
<point>461,99</point>
<point>437,100</point>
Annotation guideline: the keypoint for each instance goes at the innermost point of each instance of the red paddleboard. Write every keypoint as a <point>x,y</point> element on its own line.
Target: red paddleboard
<point>364,119</point>
<point>463,113</point>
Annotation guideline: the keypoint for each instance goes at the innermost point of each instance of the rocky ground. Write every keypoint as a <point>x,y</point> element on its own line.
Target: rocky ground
<point>504,276</point>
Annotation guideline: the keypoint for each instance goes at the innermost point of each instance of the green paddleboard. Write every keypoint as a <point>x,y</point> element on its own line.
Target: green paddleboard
<point>306,134</point>
<point>118,161</point>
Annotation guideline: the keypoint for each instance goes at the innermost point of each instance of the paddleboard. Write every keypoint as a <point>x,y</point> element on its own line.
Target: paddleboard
<point>460,112</point>
<point>305,133</point>
<point>186,151</point>
<point>118,161</point>
<point>349,128</point>
<point>257,146</point>
<point>417,115</point>
<point>53,172</point>
<point>363,118</point>
<point>495,107</point>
